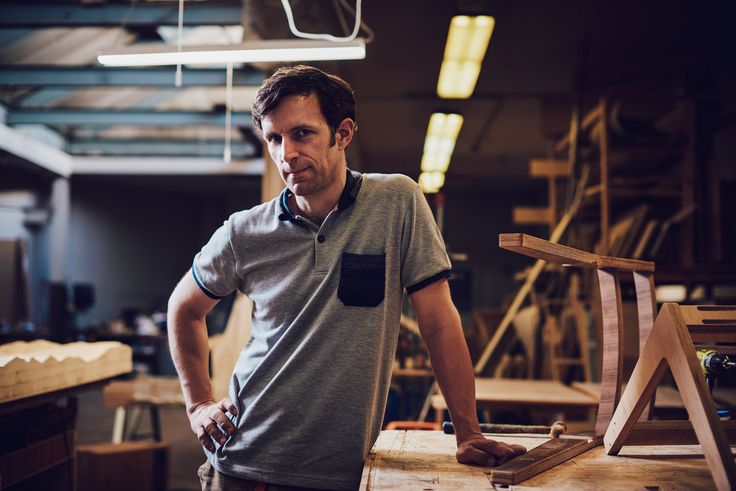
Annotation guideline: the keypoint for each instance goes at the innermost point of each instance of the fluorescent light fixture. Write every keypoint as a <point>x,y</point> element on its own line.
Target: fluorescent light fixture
<point>282,50</point>
<point>440,141</point>
<point>466,46</point>
<point>431,182</point>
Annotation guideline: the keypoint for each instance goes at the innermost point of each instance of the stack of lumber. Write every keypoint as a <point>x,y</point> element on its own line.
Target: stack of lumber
<point>31,368</point>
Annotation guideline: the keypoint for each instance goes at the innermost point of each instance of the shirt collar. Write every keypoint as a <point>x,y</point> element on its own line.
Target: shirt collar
<point>349,194</point>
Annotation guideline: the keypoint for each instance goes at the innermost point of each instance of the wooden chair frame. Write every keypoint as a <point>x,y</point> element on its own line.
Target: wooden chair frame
<point>666,340</point>
<point>558,450</point>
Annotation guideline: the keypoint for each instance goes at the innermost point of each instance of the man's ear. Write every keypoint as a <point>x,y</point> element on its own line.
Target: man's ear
<point>344,133</point>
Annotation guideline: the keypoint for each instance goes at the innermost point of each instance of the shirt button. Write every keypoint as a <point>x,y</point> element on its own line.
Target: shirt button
<point>320,238</point>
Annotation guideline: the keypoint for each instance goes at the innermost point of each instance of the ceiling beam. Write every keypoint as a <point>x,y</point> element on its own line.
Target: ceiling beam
<point>47,76</point>
<point>35,152</point>
<point>164,166</point>
<point>84,117</point>
<point>170,147</point>
<point>58,14</point>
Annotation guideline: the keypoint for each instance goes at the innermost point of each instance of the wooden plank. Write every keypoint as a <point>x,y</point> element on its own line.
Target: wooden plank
<point>557,253</point>
<point>547,455</point>
<point>549,168</point>
<point>708,315</point>
<point>523,215</point>
<point>671,433</point>
<point>143,390</point>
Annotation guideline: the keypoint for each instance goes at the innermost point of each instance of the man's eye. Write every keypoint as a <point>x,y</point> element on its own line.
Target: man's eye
<point>274,139</point>
<point>303,133</point>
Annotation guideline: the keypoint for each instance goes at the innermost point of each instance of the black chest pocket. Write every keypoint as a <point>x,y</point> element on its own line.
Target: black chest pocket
<point>362,279</point>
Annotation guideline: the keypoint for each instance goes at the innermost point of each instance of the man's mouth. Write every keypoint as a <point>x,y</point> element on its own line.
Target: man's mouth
<point>298,172</point>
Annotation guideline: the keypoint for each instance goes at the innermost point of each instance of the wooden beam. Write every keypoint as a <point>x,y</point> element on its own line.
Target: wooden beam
<point>523,215</point>
<point>549,168</point>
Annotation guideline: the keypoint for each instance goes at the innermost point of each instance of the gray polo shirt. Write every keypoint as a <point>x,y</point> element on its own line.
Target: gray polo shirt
<point>312,383</point>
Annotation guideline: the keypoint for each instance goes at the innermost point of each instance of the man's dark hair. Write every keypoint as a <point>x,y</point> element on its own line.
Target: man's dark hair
<point>335,96</point>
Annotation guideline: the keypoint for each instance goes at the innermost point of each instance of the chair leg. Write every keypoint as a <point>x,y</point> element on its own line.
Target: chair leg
<point>118,427</point>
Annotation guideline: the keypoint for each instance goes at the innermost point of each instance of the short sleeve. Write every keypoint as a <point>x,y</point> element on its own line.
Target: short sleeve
<point>214,267</point>
<point>425,259</point>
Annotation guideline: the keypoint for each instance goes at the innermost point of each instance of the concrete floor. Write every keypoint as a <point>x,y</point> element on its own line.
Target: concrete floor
<point>94,425</point>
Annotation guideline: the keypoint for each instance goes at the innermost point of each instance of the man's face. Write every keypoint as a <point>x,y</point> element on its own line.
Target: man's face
<point>299,142</point>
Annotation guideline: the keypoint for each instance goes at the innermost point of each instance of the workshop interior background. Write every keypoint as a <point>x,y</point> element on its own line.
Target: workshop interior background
<point>111,179</point>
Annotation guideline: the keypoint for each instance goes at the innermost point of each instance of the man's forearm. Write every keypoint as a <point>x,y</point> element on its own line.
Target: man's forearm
<point>190,352</point>
<point>454,372</point>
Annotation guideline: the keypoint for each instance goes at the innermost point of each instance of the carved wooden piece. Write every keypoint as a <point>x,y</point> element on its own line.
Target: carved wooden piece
<point>36,367</point>
<point>669,343</point>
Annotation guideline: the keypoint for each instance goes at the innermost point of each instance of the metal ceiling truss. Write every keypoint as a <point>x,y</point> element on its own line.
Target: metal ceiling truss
<point>113,14</point>
<point>155,147</point>
<point>101,117</point>
<point>48,76</point>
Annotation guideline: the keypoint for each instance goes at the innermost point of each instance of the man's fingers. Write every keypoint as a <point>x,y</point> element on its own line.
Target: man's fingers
<point>204,439</point>
<point>518,449</point>
<point>224,422</point>
<point>472,455</point>
<point>227,405</point>
<point>215,432</point>
<point>500,451</point>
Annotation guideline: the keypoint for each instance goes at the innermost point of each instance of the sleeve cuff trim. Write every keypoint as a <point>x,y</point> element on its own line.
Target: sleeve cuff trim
<point>426,282</point>
<point>204,288</point>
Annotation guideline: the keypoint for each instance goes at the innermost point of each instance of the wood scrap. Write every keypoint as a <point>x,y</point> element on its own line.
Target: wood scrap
<point>37,367</point>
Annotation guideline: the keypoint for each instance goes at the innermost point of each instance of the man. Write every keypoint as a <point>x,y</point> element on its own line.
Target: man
<point>325,264</point>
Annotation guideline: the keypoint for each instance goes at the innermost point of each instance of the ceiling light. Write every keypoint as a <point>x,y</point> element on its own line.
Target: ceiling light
<point>431,182</point>
<point>282,50</point>
<point>439,144</point>
<point>466,46</point>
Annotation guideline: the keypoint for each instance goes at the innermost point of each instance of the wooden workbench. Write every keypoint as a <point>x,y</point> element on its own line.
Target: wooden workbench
<point>425,460</point>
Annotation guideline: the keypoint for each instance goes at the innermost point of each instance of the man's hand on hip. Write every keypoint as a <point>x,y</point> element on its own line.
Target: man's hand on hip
<point>476,449</point>
<point>210,423</point>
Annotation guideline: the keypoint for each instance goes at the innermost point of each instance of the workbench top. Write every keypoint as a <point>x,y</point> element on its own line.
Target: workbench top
<point>425,460</point>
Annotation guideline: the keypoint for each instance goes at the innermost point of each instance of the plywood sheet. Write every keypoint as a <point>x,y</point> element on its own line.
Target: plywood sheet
<point>36,367</point>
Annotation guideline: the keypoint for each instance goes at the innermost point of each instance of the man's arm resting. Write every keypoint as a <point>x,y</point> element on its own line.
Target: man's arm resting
<point>439,323</point>
<point>188,306</point>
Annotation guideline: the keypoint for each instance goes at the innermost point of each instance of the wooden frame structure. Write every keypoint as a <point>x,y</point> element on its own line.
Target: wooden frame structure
<point>666,340</point>
<point>671,343</point>
<point>558,450</point>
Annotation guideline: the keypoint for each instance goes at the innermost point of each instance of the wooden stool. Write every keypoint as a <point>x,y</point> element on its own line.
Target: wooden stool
<point>130,398</point>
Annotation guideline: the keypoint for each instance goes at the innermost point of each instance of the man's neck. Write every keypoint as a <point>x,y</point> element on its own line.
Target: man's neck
<point>317,206</point>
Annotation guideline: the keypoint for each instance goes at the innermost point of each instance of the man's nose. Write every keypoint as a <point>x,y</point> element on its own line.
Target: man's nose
<point>290,152</point>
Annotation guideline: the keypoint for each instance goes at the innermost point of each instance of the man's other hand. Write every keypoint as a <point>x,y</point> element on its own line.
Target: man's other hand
<point>209,422</point>
<point>475,449</point>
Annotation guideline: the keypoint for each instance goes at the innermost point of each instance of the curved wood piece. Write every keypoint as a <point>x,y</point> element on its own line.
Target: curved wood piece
<point>613,333</point>
<point>646,306</point>
<point>557,253</point>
